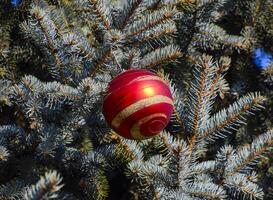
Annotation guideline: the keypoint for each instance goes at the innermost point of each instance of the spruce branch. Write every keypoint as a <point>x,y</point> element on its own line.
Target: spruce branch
<point>200,101</point>
<point>239,185</point>
<point>204,167</point>
<point>207,3</point>
<point>178,157</point>
<point>154,168</point>
<point>4,154</point>
<point>177,117</point>
<point>98,9</point>
<point>166,141</point>
<point>78,45</point>
<point>234,115</point>
<point>49,144</point>
<point>63,126</point>
<point>42,28</point>
<point>132,58</point>
<point>219,84</point>
<point>30,91</point>
<point>149,21</point>
<point>206,190</point>
<point>150,175</point>
<point>13,138</point>
<point>4,91</point>
<point>100,60</point>
<point>224,154</point>
<point>12,190</point>
<point>46,188</point>
<point>247,155</point>
<point>126,150</point>
<point>160,55</point>
<point>131,9</point>
<point>211,36</point>
<point>155,34</point>
<point>95,184</point>
<point>199,104</point>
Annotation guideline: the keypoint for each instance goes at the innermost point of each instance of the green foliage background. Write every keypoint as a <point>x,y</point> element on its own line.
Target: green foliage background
<point>19,57</point>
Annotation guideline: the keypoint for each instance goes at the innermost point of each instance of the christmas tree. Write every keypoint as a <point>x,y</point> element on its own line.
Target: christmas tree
<point>57,59</point>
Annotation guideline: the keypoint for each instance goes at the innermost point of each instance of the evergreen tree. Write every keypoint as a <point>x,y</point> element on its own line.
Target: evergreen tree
<point>56,60</point>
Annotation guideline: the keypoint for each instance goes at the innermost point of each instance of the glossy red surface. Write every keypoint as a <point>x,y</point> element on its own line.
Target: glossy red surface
<point>126,125</point>
<point>126,91</point>
<point>129,94</point>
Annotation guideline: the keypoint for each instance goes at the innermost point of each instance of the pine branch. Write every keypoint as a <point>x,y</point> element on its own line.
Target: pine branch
<point>198,102</point>
<point>99,61</point>
<point>178,111</point>
<point>149,21</point>
<point>4,91</point>
<point>155,34</point>
<point>130,10</point>
<point>95,184</point>
<point>204,167</point>
<point>248,155</point>
<point>126,150</point>
<point>45,31</point>
<point>206,190</point>
<point>178,153</point>
<point>219,84</point>
<point>29,93</point>
<point>4,154</point>
<point>132,58</point>
<point>46,188</point>
<point>239,184</point>
<point>13,137</point>
<point>211,36</point>
<point>231,117</point>
<point>160,55</point>
<point>148,172</point>
<point>99,9</point>
<point>12,190</point>
<point>78,45</point>
<point>199,105</point>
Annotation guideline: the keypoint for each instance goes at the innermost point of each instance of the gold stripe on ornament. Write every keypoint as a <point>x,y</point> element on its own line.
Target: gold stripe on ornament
<point>129,110</point>
<point>135,130</point>
<point>143,78</point>
<point>150,78</point>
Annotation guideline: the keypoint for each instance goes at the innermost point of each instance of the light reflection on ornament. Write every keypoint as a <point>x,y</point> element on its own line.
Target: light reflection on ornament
<point>149,91</point>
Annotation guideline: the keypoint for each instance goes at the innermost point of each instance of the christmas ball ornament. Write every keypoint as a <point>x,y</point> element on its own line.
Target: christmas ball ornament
<point>138,104</point>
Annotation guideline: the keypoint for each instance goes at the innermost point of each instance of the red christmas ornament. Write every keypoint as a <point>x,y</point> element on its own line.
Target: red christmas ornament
<point>138,104</point>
